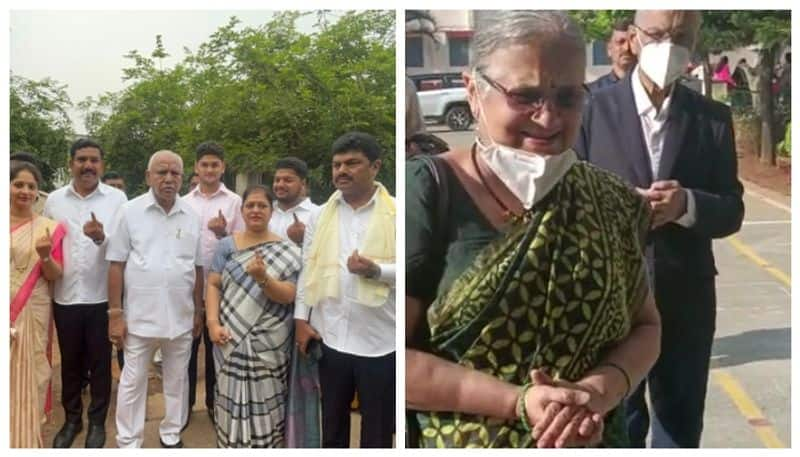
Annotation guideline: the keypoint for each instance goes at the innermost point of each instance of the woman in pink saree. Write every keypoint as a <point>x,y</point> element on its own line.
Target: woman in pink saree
<point>36,260</point>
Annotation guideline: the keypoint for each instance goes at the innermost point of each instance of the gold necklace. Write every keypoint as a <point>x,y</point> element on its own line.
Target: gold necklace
<point>23,268</point>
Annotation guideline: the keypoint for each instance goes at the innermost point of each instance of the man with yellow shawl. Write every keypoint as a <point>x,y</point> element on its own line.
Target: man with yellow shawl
<point>346,296</point>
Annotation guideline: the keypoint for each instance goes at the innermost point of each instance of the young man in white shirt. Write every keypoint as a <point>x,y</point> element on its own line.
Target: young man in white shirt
<point>87,208</point>
<point>347,286</point>
<point>220,212</point>
<point>293,208</point>
<point>155,252</point>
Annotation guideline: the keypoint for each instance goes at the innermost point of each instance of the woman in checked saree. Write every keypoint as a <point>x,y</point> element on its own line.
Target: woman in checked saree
<point>251,288</point>
<point>528,312</point>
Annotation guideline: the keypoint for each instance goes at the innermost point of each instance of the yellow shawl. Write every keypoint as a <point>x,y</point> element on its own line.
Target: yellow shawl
<point>322,279</point>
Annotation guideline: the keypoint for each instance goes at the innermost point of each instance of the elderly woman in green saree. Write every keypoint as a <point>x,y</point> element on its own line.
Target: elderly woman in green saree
<point>528,311</point>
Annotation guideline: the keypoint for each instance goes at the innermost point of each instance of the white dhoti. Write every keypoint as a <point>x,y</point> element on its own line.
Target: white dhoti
<point>132,389</point>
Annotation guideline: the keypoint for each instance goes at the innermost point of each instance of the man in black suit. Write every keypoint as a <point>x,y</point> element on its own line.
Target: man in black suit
<point>677,149</point>
<point>619,52</point>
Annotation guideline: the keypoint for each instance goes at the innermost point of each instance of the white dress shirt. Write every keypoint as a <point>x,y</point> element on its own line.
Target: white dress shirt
<point>344,324</point>
<point>281,220</point>
<point>161,251</point>
<point>654,128</point>
<point>85,279</point>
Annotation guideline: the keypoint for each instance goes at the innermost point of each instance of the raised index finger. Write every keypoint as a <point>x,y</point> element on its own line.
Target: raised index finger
<point>296,220</point>
<point>47,231</point>
<point>94,218</point>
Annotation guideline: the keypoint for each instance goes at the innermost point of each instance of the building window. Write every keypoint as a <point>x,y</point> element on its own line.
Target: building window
<point>599,53</point>
<point>459,51</point>
<point>414,52</point>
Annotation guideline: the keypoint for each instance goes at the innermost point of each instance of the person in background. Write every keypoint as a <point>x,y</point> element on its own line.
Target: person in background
<point>87,208</point>
<point>194,180</point>
<point>36,260</point>
<point>722,73</point>
<point>293,209</point>
<point>114,179</point>
<point>220,212</point>
<point>619,52</point>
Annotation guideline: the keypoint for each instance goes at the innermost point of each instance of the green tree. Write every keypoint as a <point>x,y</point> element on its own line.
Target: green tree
<point>263,92</point>
<point>39,123</point>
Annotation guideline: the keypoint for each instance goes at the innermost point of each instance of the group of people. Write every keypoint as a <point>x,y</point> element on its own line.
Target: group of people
<point>562,264</point>
<point>294,302</point>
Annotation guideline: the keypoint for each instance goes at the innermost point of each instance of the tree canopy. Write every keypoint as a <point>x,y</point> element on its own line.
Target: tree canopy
<point>262,92</point>
<point>39,123</point>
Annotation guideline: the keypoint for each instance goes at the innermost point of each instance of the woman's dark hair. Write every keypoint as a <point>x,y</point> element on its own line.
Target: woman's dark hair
<point>17,166</point>
<point>722,62</point>
<point>258,188</point>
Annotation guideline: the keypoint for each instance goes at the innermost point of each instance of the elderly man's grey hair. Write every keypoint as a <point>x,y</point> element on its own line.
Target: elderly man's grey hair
<point>163,152</point>
<point>505,28</point>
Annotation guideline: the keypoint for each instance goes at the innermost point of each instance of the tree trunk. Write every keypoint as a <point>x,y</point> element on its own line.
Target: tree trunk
<point>766,105</point>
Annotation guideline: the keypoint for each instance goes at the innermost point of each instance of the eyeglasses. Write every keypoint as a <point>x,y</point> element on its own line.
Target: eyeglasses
<point>680,37</point>
<point>532,99</point>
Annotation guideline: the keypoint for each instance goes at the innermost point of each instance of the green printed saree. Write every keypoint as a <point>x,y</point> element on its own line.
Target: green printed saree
<point>555,291</point>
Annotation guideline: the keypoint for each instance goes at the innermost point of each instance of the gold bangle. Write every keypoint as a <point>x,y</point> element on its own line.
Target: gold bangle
<point>114,310</point>
<point>212,321</point>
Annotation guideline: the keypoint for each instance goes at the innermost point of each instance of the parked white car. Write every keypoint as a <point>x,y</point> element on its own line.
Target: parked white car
<point>443,99</point>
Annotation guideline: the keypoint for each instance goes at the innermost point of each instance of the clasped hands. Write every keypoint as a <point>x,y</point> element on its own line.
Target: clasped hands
<point>667,201</point>
<point>564,414</point>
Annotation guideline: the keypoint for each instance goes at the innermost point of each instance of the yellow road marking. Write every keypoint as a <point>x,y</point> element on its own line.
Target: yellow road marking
<point>751,412</point>
<point>748,252</point>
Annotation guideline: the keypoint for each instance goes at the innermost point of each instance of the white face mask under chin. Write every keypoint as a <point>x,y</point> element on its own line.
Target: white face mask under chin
<point>529,176</point>
<point>663,62</point>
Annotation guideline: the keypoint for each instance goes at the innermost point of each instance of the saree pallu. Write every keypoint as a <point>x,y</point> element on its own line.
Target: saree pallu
<point>31,348</point>
<point>555,293</point>
<point>252,369</point>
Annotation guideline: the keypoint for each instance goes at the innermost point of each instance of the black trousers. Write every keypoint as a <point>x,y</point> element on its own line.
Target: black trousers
<point>211,376</point>
<point>373,378</point>
<point>83,342</point>
<point>679,378</point>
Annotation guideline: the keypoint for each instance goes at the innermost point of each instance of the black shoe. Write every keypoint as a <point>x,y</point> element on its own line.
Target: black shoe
<point>67,434</point>
<point>179,444</point>
<point>96,436</point>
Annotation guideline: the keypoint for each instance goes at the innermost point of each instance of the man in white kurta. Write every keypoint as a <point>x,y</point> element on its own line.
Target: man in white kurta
<point>155,252</point>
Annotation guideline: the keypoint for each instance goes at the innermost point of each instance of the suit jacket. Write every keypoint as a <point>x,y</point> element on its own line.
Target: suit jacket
<point>606,80</point>
<point>698,152</point>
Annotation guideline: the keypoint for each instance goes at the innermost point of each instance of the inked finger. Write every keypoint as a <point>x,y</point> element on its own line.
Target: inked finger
<point>94,218</point>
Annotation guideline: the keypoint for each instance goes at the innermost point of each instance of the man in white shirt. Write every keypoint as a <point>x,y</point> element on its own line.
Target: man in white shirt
<point>351,298</point>
<point>220,212</point>
<point>293,208</point>
<point>87,209</point>
<point>155,252</point>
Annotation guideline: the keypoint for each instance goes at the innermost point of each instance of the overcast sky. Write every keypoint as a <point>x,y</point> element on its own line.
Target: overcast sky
<point>84,49</point>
